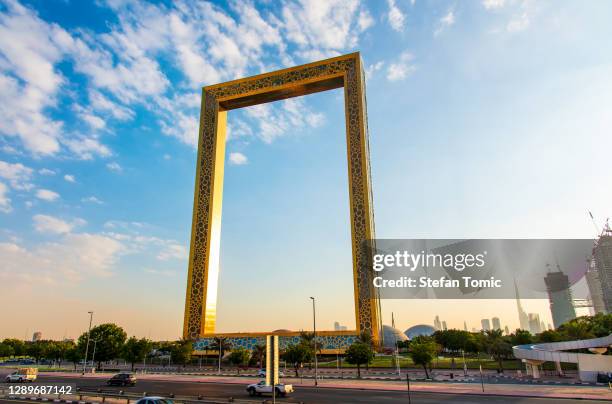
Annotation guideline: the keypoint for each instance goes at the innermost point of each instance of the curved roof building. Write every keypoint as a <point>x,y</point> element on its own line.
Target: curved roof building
<point>391,336</point>
<point>418,330</point>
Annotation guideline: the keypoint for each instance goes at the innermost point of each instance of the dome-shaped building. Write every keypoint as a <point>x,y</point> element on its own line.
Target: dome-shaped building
<point>391,336</point>
<point>418,330</point>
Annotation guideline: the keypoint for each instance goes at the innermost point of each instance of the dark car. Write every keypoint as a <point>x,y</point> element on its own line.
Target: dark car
<point>122,379</point>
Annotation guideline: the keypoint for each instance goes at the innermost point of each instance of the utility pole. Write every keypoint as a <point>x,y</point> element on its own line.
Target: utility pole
<point>314,328</point>
<point>87,346</point>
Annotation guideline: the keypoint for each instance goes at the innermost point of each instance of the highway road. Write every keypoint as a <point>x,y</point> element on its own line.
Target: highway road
<point>303,394</point>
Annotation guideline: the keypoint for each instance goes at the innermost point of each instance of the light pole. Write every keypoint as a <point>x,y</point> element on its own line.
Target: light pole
<point>93,357</point>
<point>314,328</point>
<point>87,346</point>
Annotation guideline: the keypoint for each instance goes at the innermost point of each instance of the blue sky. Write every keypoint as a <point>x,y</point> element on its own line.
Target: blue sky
<point>487,119</point>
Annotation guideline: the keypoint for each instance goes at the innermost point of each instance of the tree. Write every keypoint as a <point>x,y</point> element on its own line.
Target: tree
<point>220,345</point>
<point>358,354</point>
<point>452,340</point>
<point>57,351</point>
<point>259,352</point>
<point>296,355</point>
<point>423,351</point>
<point>6,350</point>
<point>36,349</point>
<point>498,347</point>
<point>108,339</point>
<point>135,350</point>
<point>74,355</point>
<point>180,352</point>
<point>239,357</point>
<point>521,337</point>
<point>550,336</point>
<point>18,346</point>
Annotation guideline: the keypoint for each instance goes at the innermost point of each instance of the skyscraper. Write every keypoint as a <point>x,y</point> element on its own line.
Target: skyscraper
<point>437,323</point>
<point>465,326</point>
<point>444,325</point>
<point>496,323</point>
<point>560,297</point>
<point>601,291</point>
<point>37,336</point>
<point>535,325</point>
<point>486,324</point>
<point>523,318</point>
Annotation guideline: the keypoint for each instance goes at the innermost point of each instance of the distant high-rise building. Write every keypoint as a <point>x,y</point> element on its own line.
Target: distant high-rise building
<point>437,323</point>
<point>339,327</point>
<point>506,330</point>
<point>486,324</point>
<point>560,297</point>
<point>496,323</point>
<point>535,326</point>
<point>602,282</point>
<point>523,318</point>
<point>37,336</point>
<point>465,326</point>
<point>444,325</point>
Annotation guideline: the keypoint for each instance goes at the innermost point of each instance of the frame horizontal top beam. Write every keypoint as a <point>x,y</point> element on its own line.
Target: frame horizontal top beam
<point>282,93</point>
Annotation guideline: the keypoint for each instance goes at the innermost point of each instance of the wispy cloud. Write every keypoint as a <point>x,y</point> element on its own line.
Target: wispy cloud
<point>395,16</point>
<point>47,195</point>
<point>401,68</point>
<point>446,21</point>
<point>238,159</point>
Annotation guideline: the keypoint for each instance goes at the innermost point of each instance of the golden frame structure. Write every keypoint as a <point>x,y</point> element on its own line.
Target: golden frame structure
<point>343,71</point>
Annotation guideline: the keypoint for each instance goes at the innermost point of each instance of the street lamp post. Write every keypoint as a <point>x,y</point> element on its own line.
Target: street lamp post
<point>93,356</point>
<point>87,346</point>
<point>314,328</point>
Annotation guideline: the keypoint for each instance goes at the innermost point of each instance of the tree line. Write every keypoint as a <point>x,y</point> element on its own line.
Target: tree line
<point>109,342</point>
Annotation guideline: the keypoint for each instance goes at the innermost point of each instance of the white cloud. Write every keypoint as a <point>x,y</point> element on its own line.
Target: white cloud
<point>114,166</point>
<point>17,174</point>
<point>69,178</point>
<point>29,82</point>
<point>47,195</point>
<point>373,68</point>
<point>54,225</point>
<point>402,68</point>
<point>276,120</point>
<point>92,199</point>
<point>238,159</point>
<point>46,171</point>
<point>395,16</point>
<point>365,20</point>
<point>5,202</point>
<point>445,21</point>
<point>86,147</point>
<point>172,251</point>
<point>493,4</point>
<point>72,258</point>
<point>101,103</point>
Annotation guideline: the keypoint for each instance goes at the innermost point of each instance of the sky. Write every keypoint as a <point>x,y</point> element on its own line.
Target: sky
<point>487,119</point>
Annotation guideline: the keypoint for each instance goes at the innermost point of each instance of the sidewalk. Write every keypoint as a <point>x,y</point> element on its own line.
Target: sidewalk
<point>499,389</point>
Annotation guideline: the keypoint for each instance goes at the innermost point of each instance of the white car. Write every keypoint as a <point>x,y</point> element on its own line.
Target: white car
<point>22,375</point>
<point>261,388</point>
<point>262,373</point>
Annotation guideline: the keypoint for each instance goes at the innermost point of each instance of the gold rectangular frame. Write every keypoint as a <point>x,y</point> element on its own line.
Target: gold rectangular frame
<point>342,71</point>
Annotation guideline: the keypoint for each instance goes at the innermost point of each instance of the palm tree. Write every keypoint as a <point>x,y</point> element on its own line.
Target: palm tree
<point>220,344</point>
<point>259,351</point>
<point>366,338</point>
